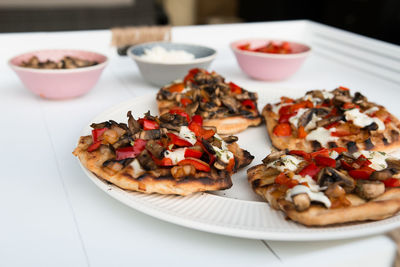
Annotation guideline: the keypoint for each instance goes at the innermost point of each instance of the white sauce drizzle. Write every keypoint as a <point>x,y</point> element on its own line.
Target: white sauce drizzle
<point>322,136</point>
<point>314,196</point>
<point>187,134</point>
<point>307,179</point>
<point>176,155</point>
<point>378,159</point>
<point>286,162</point>
<point>361,120</point>
<point>326,94</point>
<point>222,153</point>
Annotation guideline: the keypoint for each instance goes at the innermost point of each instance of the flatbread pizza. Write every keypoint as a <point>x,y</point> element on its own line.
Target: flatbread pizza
<point>226,106</point>
<point>331,119</point>
<point>330,186</point>
<point>170,154</point>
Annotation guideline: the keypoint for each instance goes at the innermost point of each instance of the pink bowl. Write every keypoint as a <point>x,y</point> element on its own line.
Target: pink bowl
<point>59,83</point>
<point>266,66</point>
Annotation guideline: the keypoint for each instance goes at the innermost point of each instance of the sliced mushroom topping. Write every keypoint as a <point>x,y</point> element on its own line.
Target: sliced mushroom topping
<point>393,163</point>
<point>146,161</point>
<point>369,189</point>
<point>230,139</point>
<point>192,108</point>
<point>208,146</point>
<point>133,124</point>
<point>395,135</point>
<point>329,120</point>
<point>155,149</point>
<point>148,135</point>
<point>100,125</point>
<point>301,202</point>
<point>383,174</point>
<point>220,165</point>
<point>368,144</point>
<point>328,176</point>
<point>274,156</point>
<point>372,127</point>
<point>352,147</point>
<point>209,106</point>
<point>230,103</point>
<point>122,141</point>
<point>335,191</point>
<point>359,98</point>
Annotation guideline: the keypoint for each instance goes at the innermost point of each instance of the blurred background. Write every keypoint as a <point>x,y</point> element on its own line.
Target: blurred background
<point>373,18</point>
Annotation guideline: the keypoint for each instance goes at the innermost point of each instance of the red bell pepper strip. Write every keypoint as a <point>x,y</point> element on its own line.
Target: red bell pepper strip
<point>311,169</point>
<point>176,140</point>
<point>163,162</point>
<point>193,153</point>
<point>284,180</point>
<point>197,119</point>
<point>176,88</point>
<point>148,124</point>
<point>283,129</point>
<point>179,111</point>
<point>97,133</point>
<point>199,131</point>
<point>301,132</point>
<point>362,161</point>
<point>235,88</point>
<point>325,161</point>
<point>248,104</point>
<point>211,157</point>
<point>344,88</point>
<point>362,173</point>
<point>339,150</point>
<point>131,151</point>
<point>231,165</point>
<point>186,101</point>
<point>392,182</point>
<point>300,153</point>
<point>284,118</point>
<point>94,146</point>
<point>323,152</point>
<point>347,166</point>
<point>198,164</point>
<point>350,106</point>
<point>190,75</point>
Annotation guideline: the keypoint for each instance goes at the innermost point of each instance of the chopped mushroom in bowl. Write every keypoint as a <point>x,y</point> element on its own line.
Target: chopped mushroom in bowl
<point>59,73</point>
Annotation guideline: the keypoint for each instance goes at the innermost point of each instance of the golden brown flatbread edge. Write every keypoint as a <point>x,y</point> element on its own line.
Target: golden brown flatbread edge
<point>146,183</point>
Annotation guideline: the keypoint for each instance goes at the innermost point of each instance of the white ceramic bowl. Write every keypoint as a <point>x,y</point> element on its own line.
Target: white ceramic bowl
<point>163,73</point>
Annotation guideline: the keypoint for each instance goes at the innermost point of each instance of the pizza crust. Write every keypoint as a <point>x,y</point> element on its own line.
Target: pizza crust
<point>163,183</point>
<point>384,206</point>
<point>294,143</point>
<point>225,126</point>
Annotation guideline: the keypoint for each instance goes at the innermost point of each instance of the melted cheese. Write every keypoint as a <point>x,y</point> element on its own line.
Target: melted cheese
<point>187,134</point>
<point>371,110</point>
<point>361,120</point>
<point>322,136</point>
<point>307,179</point>
<point>176,155</point>
<point>378,159</point>
<point>314,196</point>
<point>326,94</point>
<point>137,168</point>
<point>286,162</point>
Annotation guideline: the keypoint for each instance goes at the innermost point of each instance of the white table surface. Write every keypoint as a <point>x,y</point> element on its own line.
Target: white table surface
<point>53,215</point>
